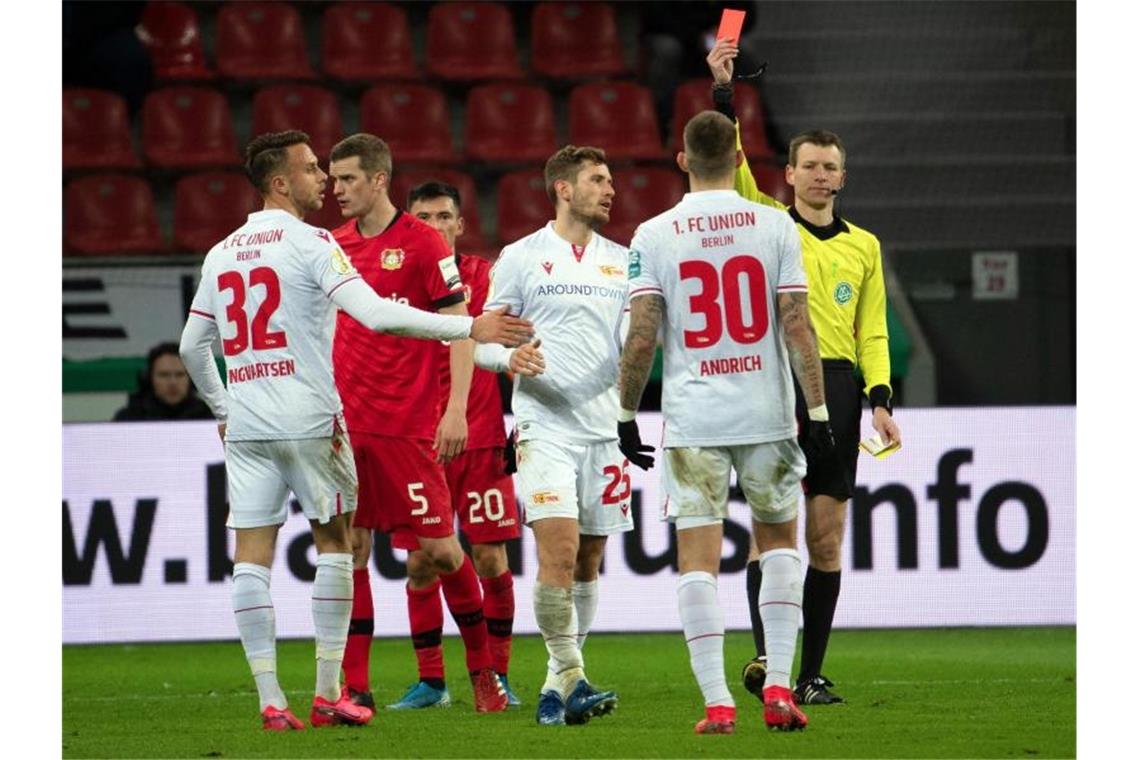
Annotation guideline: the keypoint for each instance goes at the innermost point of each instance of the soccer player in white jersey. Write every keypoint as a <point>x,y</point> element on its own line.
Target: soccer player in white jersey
<point>268,290</point>
<point>570,282</point>
<point>725,276</point>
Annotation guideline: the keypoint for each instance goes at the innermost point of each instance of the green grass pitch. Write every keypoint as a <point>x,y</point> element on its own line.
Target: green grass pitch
<point>944,693</point>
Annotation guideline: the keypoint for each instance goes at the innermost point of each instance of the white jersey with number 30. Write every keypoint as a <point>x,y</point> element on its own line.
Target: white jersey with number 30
<point>267,286</point>
<point>719,262</point>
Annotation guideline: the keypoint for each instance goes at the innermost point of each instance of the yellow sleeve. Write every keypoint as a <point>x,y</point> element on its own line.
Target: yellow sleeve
<point>871,323</point>
<point>746,184</point>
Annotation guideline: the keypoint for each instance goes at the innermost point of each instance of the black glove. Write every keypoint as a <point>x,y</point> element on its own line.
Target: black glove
<point>819,443</point>
<point>629,441</point>
<point>510,459</point>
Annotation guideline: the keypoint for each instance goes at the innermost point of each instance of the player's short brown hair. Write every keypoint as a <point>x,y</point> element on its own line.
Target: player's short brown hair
<point>566,163</point>
<point>820,137</point>
<point>374,154</point>
<point>710,145</point>
<point>266,155</point>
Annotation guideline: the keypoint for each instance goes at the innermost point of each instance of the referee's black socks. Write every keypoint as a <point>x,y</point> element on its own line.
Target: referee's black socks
<point>821,594</point>
<point>752,586</point>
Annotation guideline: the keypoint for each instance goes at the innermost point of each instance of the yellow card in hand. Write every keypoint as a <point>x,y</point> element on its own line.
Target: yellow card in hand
<point>876,448</point>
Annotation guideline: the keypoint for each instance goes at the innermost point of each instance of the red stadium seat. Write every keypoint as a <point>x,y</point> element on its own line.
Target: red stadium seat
<point>188,128</point>
<point>472,237</point>
<point>524,205</point>
<point>575,40</point>
<point>173,39</point>
<point>209,206</point>
<point>96,131</point>
<point>110,214</point>
<point>311,109</point>
<point>770,179</point>
<point>261,41</point>
<point>695,96</point>
<point>412,118</point>
<point>361,41</point>
<point>617,117</point>
<point>468,41</point>
<point>507,122</point>
<point>641,193</point>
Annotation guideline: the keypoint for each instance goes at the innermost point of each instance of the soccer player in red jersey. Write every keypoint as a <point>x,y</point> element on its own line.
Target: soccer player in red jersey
<point>391,390</point>
<point>482,493</point>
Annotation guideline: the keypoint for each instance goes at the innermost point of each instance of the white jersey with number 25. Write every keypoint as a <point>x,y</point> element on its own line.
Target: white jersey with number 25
<point>719,262</point>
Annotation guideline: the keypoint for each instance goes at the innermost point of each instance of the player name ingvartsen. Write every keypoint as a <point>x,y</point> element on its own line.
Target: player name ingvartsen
<point>241,239</point>
<point>730,366</point>
<point>262,369</point>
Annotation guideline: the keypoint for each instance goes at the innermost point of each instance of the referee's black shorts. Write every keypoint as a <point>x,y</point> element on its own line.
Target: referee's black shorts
<point>835,476</point>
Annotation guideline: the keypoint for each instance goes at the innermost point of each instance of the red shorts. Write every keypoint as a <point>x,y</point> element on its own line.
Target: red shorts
<point>483,496</point>
<point>403,490</point>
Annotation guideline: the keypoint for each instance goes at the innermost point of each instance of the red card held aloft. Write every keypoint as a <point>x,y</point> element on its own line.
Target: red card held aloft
<point>731,22</point>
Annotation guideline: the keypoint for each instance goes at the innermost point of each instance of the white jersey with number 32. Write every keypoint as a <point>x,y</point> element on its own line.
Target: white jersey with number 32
<point>719,262</point>
<point>267,287</point>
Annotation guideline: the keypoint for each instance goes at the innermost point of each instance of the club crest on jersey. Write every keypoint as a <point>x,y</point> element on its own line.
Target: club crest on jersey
<point>392,258</point>
<point>340,262</point>
<point>548,265</point>
<point>611,271</point>
<point>544,497</point>
<point>844,293</point>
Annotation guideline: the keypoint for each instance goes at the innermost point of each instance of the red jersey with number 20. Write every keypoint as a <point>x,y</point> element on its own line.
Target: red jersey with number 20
<point>389,384</point>
<point>485,426</point>
<point>267,287</point>
<point>720,261</point>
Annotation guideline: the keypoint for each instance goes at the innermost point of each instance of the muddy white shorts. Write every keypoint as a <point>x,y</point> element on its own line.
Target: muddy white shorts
<point>586,482</point>
<point>696,480</point>
<point>319,471</point>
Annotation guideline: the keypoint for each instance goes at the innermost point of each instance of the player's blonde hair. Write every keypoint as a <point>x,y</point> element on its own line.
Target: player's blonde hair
<point>374,154</point>
<point>566,163</point>
<point>710,145</point>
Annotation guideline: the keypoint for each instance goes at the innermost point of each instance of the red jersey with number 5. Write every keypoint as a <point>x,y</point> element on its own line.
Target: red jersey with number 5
<point>720,262</point>
<point>390,385</point>
<point>267,286</point>
<point>485,427</point>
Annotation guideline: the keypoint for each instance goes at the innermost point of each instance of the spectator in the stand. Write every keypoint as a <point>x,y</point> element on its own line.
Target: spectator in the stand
<point>165,391</point>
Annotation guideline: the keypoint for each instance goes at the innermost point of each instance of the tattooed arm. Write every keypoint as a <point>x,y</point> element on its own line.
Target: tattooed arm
<point>645,313</point>
<point>799,336</point>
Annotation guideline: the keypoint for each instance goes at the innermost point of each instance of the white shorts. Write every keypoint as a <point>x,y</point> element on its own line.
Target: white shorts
<point>319,471</point>
<point>586,482</point>
<point>696,480</point>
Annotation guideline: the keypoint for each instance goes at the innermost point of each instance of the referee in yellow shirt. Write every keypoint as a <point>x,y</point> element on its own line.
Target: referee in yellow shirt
<point>848,305</point>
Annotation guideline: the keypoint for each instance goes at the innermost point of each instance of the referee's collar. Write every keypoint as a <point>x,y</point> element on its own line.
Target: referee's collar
<point>827,232</point>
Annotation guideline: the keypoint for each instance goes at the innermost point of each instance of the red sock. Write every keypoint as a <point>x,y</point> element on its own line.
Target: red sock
<point>359,633</point>
<point>499,610</point>
<point>425,615</point>
<point>465,601</point>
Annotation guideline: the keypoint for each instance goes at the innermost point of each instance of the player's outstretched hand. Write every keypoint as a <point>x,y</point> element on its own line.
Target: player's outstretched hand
<point>499,327</point>
<point>719,60</point>
<point>527,359</point>
<point>820,441</point>
<point>629,441</point>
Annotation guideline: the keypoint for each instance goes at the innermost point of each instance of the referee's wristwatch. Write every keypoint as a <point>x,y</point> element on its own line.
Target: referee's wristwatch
<point>880,395</point>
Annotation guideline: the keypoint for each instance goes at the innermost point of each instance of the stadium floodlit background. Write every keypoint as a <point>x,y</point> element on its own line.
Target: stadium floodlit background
<point>959,120</point>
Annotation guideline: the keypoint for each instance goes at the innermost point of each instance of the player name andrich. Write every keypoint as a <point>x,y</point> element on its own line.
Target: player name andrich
<point>262,369</point>
<point>715,222</point>
<point>730,366</point>
<point>561,289</point>
<point>258,238</point>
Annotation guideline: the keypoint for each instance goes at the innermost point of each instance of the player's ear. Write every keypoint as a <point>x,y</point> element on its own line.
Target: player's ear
<point>683,161</point>
<point>458,226</point>
<point>790,174</point>
<point>739,158</point>
<point>279,185</point>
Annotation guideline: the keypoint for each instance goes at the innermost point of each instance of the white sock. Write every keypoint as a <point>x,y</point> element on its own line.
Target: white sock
<point>781,596</point>
<point>703,623</point>
<point>332,607</point>
<point>554,614</point>
<point>585,595</point>
<point>553,682</point>
<point>257,626</point>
